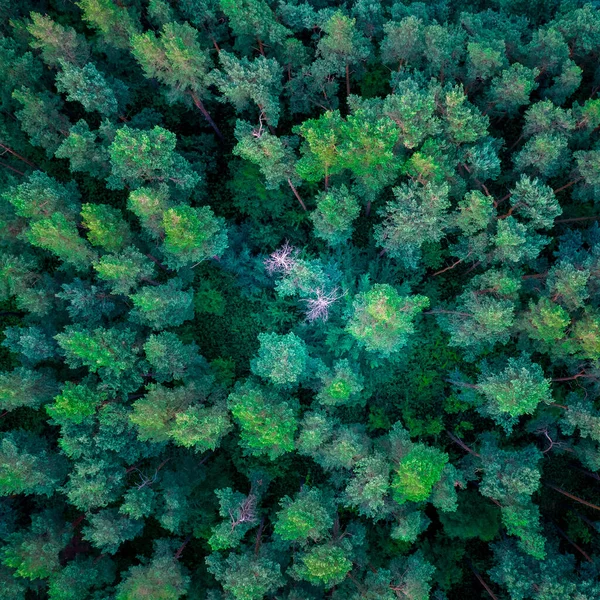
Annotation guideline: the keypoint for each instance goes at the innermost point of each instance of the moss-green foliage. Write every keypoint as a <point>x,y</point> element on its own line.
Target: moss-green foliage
<point>299,299</point>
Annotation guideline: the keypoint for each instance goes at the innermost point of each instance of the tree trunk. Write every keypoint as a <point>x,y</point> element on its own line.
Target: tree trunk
<point>206,115</point>
<point>296,193</point>
<point>347,79</point>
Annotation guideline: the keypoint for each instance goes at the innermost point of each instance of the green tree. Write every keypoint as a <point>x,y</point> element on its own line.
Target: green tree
<point>178,61</point>
<point>242,81</point>
<point>41,196</point>
<point>25,387</point>
<point>107,530</point>
<point>382,319</point>
<point>28,465</point>
<point>282,359</point>
<point>105,227</point>
<point>414,217</point>
<point>87,86</point>
<point>254,20</point>
<point>343,46</point>
<point>325,565</point>
<point>267,423</point>
<point>246,576</point>
<point>34,552</point>
<point>192,235</point>
<point>306,518</point>
<point>417,473</point>
<point>140,157</point>
<point>160,306</point>
<point>75,403</point>
<point>336,210</point>
<point>112,19</point>
<point>341,384</point>
<point>56,41</point>
<point>125,270</point>
<point>59,235</point>
<point>163,578</point>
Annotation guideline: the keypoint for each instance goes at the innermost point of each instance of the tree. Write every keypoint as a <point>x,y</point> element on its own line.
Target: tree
<point>34,552</point>
<point>33,344</point>
<point>41,118</point>
<point>28,465</point>
<point>307,518</point>
<point>281,359</point>
<point>162,306</point>
<point>41,196</point>
<point>246,576</point>
<point>87,86</point>
<point>342,46</point>
<point>57,42</point>
<point>404,42</point>
<point>106,227</point>
<point>75,403</point>
<point>267,423</point>
<point>113,20</point>
<point>336,210</point>
<point>107,530</point>
<point>125,270</point>
<point>25,387</point>
<point>162,578</point>
<point>80,574</point>
<point>178,61</point>
<point>273,155</point>
<point>320,150</point>
<point>415,216</point>
<point>87,151</point>
<point>242,81</point>
<point>340,385</point>
<point>59,235</point>
<point>254,19</point>
<point>171,359</point>
<point>192,235</point>
<point>368,488</point>
<point>140,157</point>
<point>382,319</point>
<point>112,353</point>
<point>417,472</point>
<point>512,88</point>
<point>325,565</point>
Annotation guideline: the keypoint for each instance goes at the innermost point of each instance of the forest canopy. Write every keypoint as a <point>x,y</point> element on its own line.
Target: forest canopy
<point>299,299</point>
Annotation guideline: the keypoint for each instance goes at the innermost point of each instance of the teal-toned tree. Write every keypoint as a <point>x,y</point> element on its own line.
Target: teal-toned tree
<point>192,235</point>
<point>267,422</point>
<point>382,319</point>
<point>177,60</point>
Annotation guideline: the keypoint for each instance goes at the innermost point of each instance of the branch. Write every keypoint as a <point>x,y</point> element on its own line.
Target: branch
<point>577,499</point>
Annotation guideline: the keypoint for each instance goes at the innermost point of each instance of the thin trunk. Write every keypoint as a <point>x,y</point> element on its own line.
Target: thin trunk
<point>577,499</point>
<point>568,185</point>
<point>458,441</point>
<point>296,193</point>
<point>181,548</point>
<point>482,582</point>
<point>347,79</point>
<point>261,47</point>
<point>575,219</point>
<point>581,550</point>
<point>11,168</point>
<point>206,115</point>
<point>368,209</point>
<point>19,156</point>
<point>439,311</point>
<point>154,259</point>
<point>448,268</point>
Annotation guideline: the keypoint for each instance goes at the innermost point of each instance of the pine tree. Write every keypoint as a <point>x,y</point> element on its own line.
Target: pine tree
<point>140,157</point>
<point>382,319</point>
<point>336,210</point>
<point>242,81</point>
<point>112,19</point>
<point>57,42</point>
<point>192,235</point>
<point>267,422</point>
<point>281,359</point>
<point>178,61</point>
